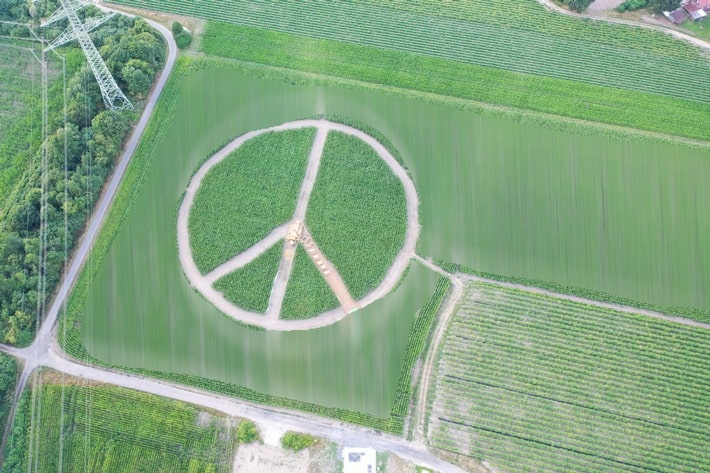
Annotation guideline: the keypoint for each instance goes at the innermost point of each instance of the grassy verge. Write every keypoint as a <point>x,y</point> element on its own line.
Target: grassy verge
<point>248,194</point>
<point>113,429</point>
<point>531,382</point>
<point>8,378</point>
<point>634,109</point>
<point>250,287</point>
<point>357,213</point>
<point>307,293</point>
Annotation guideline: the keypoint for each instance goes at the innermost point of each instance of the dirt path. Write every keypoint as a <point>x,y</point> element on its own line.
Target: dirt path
<point>418,416</point>
<point>329,273</point>
<point>667,30</point>
<point>603,5</point>
<point>246,257</point>
<point>271,320</point>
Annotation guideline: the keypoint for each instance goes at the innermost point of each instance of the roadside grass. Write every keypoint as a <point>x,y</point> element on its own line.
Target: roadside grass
<point>248,194</point>
<point>307,293</point>
<point>106,428</point>
<point>357,213</point>
<point>530,383</point>
<point>249,287</point>
<point>8,378</point>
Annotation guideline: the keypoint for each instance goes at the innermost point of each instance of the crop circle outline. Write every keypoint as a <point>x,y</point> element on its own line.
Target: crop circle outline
<point>392,276</point>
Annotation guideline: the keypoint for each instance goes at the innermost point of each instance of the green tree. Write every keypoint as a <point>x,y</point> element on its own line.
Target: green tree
<point>664,5</point>
<point>247,432</point>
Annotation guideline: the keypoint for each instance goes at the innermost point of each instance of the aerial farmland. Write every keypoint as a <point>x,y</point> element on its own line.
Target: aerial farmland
<point>253,235</point>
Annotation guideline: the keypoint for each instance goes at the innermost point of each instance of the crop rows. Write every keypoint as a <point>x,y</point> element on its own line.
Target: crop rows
<point>248,194</point>
<point>357,212</point>
<point>533,383</point>
<point>307,293</point>
<point>530,15</point>
<point>465,41</point>
<point>114,429</point>
<point>249,287</point>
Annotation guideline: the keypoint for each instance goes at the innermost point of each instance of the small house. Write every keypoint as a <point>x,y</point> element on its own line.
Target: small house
<point>359,460</point>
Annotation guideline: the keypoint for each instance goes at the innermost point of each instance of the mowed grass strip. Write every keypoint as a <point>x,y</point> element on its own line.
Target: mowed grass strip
<point>534,383</point>
<point>307,293</point>
<point>248,194</point>
<point>111,429</point>
<point>568,98</point>
<point>249,287</point>
<point>357,213</point>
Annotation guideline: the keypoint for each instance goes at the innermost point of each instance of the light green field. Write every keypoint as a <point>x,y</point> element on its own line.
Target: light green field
<point>307,293</point>
<point>532,383</point>
<point>110,429</point>
<point>250,287</point>
<point>505,197</point>
<point>357,213</point>
<point>248,194</point>
<point>472,50</point>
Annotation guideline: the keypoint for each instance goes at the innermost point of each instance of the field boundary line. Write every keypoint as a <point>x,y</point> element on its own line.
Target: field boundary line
<point>587,127</point>
<point>606,305</point>
<point>442,320</point>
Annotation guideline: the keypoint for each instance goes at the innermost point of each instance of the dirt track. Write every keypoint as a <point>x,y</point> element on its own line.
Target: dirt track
<point>203,283</point>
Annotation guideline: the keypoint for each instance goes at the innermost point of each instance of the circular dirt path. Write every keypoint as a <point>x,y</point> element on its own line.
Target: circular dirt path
<point>270,321</point>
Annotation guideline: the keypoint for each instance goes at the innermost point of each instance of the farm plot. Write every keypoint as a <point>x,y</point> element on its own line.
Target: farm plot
<point>472,42</point>
<point>103,428</point>
<point>495,194</point>
<point>531,383</point>
<point>464,81</point>
<point>248,194</point>
<point>357,213</point>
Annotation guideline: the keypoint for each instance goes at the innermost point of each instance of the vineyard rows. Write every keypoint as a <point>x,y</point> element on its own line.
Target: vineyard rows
<point>514,49</point>
<point>533,383</point>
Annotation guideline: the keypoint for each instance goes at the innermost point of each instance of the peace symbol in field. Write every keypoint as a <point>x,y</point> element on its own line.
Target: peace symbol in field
<point>295,233</point>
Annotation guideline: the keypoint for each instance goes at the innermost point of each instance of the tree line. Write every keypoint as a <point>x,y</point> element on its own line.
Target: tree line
<point>94,137</point>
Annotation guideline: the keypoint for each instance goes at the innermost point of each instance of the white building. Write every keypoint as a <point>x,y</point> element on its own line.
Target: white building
<point>359,460</point>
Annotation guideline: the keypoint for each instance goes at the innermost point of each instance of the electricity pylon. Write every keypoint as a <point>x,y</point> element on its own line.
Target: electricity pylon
<point>114,99</point>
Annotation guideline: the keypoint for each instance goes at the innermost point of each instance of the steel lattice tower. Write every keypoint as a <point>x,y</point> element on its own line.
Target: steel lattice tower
<point>114,98</point>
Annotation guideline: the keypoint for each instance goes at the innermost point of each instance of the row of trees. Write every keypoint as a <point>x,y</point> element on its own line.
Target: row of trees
<point>94,139</point>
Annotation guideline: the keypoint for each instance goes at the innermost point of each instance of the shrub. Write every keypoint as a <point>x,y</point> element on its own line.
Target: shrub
<point>247,432</point>
<point>183,40</point>
<point>297,442</point>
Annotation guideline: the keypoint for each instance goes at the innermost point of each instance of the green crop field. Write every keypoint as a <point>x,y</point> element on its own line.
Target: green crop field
<point>500,196</point>
<point>532,383</point>
<point>609,73</point>
<point>357,213</point>
<point>248,194</point>
<point>307,293</point>
<point>249,287</point>
<point>103,428</point>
